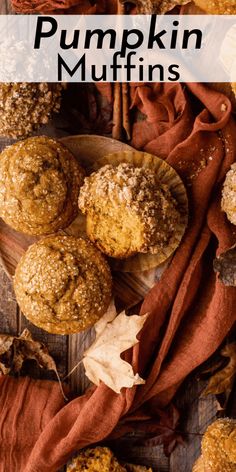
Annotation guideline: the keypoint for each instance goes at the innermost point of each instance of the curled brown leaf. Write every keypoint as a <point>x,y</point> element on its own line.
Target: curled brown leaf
<point>222,381</point>
<point>14,350</point>
<point>225,265</point>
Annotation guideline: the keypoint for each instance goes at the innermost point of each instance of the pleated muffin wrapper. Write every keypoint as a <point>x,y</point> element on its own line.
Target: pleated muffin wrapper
<point>166,175</point>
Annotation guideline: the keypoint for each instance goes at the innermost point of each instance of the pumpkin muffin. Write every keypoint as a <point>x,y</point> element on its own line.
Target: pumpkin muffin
<point>24,107</point>
<point>63,284</point>
<point>101,459</point>
<point>233,86</point>
<point>217,7</point>
<point>228,203</point>
<point>39,186</point>
<point>218,448</point>
<point>127,210</point>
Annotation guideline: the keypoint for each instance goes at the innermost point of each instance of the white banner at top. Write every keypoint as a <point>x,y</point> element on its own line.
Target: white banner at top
<point>129,48</point>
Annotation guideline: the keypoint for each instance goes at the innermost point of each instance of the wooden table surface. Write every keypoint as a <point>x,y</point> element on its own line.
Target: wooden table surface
<point>197,412</point>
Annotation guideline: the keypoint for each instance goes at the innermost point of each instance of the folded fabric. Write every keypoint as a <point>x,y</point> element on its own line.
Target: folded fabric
<point>26,407</point>
<point>64,6</point>
<point>45,6</point>
<point>191,310</point>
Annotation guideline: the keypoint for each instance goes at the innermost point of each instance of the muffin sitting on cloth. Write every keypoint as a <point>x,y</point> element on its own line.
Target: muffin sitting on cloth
<point>63,284</point>
<point>100,459</point>
<point>218,448</point>
<point>127,210</point>
<point>39,186</point>
<point>24,107</point>
<point>228,203</point>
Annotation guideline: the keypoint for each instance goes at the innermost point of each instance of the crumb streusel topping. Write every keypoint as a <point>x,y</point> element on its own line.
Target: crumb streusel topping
<point>219,446</point>
<point>132,198</point>
<point>217,7</point>
<point>99,459</point>
<point>24,107</point>
<point>228,203</point>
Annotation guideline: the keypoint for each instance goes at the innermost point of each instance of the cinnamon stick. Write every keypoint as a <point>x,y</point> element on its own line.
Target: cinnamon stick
<point>120,7</point>
<point>125,111</point>
<point>121,118</point>
<point>117,97</point>
<point>117,112</point>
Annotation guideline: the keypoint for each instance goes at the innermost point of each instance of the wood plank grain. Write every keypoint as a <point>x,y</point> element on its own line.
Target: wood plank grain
<point>197,413</point>
<point>57,345</point>
<point>149,456</point>
<point>5,7</point>
<point>8,306</point>
<point>77,344</point>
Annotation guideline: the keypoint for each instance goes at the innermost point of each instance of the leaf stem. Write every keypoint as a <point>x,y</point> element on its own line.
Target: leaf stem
<point>74,368</point>
<point>60,384</point>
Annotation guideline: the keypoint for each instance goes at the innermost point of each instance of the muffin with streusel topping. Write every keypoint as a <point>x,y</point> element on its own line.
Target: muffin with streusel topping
<point>217,7</point>
<point>101,459</point>
<point>63,284</point>
<point>39,186</point>
<point>218,447</point>
<point>24,107</point>
<point>228,203</point>
<point>98,459</point>
<point>128,210</point>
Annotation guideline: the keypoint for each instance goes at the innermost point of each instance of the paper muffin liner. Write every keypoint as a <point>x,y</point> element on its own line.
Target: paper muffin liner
<point>166,175</point>
<point>87,148</point>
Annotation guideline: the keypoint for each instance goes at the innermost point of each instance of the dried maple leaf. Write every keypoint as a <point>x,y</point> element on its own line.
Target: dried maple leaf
<point>226,266</point>
<point>158,7</point>
<point>164,431</point>
<point>222,381</point>
<point>14,350</point>
<point>114,335</point>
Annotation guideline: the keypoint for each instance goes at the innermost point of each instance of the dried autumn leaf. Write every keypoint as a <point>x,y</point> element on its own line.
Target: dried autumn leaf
<point>14,350</point>
<point>226,266</point>
<point>164,431</point>
<point>222,382</point>
<point>114,335</point>
<point>159,7</point>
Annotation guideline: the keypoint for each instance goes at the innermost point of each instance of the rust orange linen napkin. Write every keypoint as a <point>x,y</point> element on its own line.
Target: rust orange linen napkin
<point>64,6</point>
<point>46,6</point>
<point>191,311</point>
<point>26,407</point>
